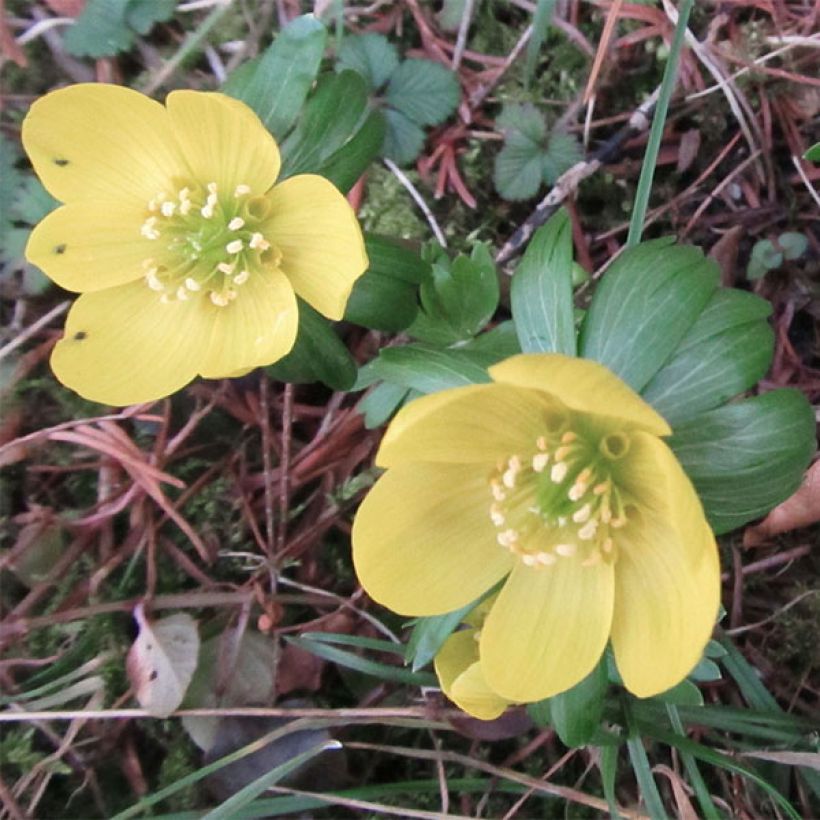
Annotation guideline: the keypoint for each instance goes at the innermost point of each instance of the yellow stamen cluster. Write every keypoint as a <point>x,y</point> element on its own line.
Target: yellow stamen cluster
<point>207,244</point>
<point>560,501</point>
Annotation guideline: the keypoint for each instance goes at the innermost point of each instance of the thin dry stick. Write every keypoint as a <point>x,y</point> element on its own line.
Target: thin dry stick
<point>461,38</point>
<point>33,328</point>
<point>267,466</point>
<point>418,199</point>
<point>284,465</point>
<point>806,181</point>
<point>603,45</point>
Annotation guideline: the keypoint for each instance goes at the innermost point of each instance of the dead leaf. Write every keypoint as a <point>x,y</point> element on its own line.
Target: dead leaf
<point>725,251</point>
<point>162,661</point>
<point>800,510</point>
<point>808,760</point>
<point>688,150</point>
<point>298,670</point>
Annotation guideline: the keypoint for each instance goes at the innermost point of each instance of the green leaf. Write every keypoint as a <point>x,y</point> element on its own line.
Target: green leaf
<point>345,166</point>
<point>765,257</point>
<point>352,661</point>
<point>277,85</point>
<point>492,346</point>
<point>318,355</point>
<point>427,369</point>
<point>429,635</point>
<point>371,55</point>
<point>541,291</point>
<point>329,119</point>
<point>726,351</point>
<point>540,26</point>
<point>530,156</point>
<point>747,457</point>
<point>813,154</point>
<point>705,672</point>
<point>33,201</point>
<point>793,244</point>
<point>381,402</point>
<point>644,306</point>
<point>385,297</point>
<point>684,694</point>
<point>577,713</point>
<point>458,298</point>
<point>424,91</point>
<point>540,712</point>
<point>404,139</point>
<point>141,15</point>
<point>100,31</point>
<point>609,772</point>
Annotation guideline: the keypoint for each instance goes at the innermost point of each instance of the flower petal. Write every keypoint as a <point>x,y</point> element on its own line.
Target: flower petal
<point>257,328</point>
<point>223,141</point>
<point>96,141</point>
<point>582,385</point>
<point>123,346</point>
<point>423,543</point>
<point>321,242</point>
<point>476,423</point>
<point>548,629</point>
<point>667,576</point>
<point>462,680</point>
<point>88,246</point>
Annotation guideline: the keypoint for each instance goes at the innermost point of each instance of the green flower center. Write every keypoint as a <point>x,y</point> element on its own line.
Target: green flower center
<point>208,242</point>
<point>561,499</point>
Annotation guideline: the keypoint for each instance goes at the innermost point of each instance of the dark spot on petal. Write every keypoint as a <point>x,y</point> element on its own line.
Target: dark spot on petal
<point>62,162</point>
<point>80,335</point>
<point>60,248</point>
<point>154,675</point>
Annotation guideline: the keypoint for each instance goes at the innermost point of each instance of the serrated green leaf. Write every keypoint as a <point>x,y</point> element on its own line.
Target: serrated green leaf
<point>385,297</point>
<point>541,291</point>
<point>563,151</point>
<point>100,31</point>
<point>404,139</point>
<point>517,171</point>
<point>345,166</point>
<point>381,402</point>
<point>424,91</point>
<point>371,55</point>
<point>644,306</point>
<point>576,714</point>
<point>317,356</point>
<point>747,457</point>
<point>458,298</point>
<point>726,351</point>
<point>141,15</point>
<point>277,85</point>
<point>329,119</point>
<point>427,369</point>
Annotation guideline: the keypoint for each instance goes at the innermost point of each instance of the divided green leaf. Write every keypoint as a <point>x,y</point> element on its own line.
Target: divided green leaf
<point>372,55</point>
<point>424,91</point>
<point>404,139</point>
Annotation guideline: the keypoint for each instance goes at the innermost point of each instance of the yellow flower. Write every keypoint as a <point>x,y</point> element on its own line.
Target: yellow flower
<point>187,256</point>
<point>554,481</point>
<point>458,668</point>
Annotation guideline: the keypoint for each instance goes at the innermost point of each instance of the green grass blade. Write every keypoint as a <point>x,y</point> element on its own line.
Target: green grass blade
<point>228,809</point>
<point>709,809</point>
<point>658,121</point>
<point>540,26</point>
<point>609,771</point>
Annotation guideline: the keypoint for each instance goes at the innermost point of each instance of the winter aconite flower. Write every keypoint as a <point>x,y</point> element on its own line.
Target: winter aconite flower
<point>555,482</point>
<point>188,257</point>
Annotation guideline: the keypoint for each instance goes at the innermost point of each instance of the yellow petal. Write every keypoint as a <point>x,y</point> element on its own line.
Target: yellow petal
<point>256,328</point>
<point>547,630</point>
<point>462,680</point>
<point>122,346</point>
<point>582,385</point>
<point>476,423</point>
<point>667,578</point>
<point>321,242</point>
<point>423,543</point>
<point>89,246</point>
<point>223,141</point>
<point>95,141</point>
<point>651,477</point>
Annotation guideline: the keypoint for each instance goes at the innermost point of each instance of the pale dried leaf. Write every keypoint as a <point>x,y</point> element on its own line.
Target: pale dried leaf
<point>800,510</point>
<point>162,661</point>
<point>809,760</point>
